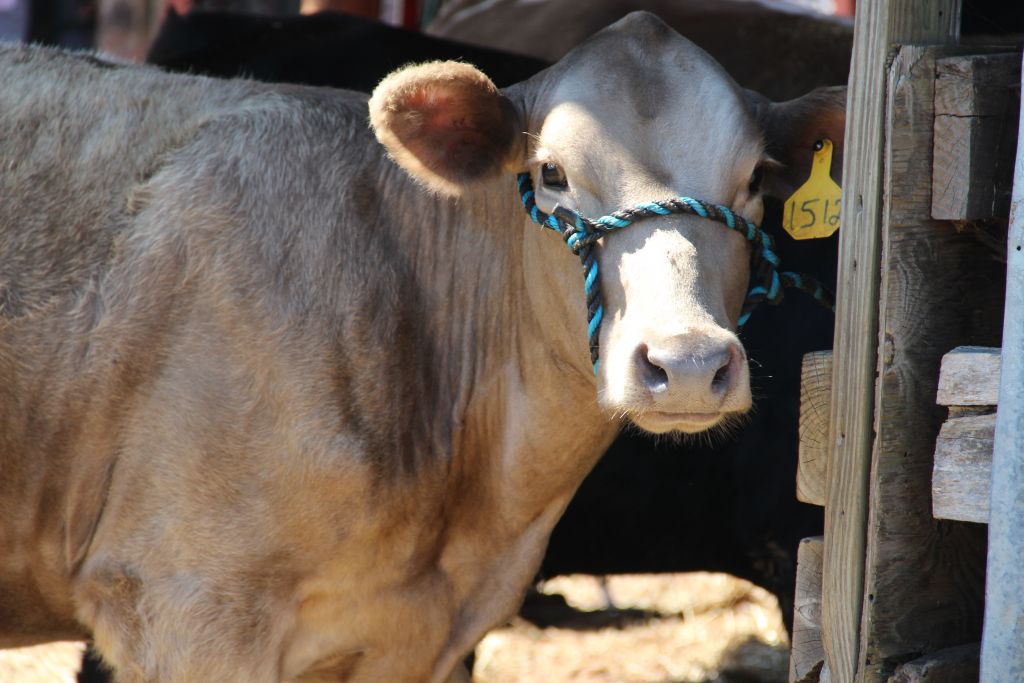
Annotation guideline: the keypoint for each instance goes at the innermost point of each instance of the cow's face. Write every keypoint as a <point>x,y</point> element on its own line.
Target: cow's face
<point>634,115</point>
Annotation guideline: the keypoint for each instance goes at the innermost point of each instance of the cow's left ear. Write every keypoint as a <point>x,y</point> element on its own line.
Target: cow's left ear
<point>446,124</point>
<point>791,130</point>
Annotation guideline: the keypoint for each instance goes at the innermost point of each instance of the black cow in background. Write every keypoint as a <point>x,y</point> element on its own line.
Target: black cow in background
<point>728,505</point>
<point>327,49</point>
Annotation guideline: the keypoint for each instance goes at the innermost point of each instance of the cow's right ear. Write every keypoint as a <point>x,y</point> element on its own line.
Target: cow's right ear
<point>446,124</point>
<point>791,130</point>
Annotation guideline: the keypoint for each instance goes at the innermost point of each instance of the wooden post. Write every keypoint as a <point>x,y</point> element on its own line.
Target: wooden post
<point>879,24</point>
<point>1002,653</point>
<point>806,655</point>
<point>815,402</point>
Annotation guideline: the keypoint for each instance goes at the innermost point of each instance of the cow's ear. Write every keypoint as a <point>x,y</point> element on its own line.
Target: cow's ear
<point>446,124</point>
<point>791,130</point>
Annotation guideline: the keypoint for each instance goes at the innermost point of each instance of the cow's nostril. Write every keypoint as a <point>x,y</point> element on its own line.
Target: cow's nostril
<point>728,366</point>
<point>652,374</point>
<point>721,378</point>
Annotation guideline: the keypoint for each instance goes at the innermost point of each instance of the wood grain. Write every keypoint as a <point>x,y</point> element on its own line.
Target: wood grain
<point>962,474</point>
<point>977,98</point>
<point>806,654</point>
<point>969,376</point>
<point>815,403</point>
<point>879,25</point>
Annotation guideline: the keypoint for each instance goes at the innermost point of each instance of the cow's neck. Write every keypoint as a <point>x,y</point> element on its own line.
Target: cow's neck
<point>503,359</point>
<point>510,365</point>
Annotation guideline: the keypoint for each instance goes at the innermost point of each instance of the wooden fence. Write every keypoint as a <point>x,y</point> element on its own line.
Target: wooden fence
<point>895,590</point>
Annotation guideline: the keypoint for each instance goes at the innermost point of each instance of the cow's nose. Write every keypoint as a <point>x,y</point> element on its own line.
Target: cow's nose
<point>703,373</point>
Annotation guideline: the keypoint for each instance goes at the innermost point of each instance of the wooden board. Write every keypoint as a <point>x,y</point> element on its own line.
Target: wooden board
<point>878,26</point>
<point>977,100</point>
<point>962,474</point>
<point>815,403</point>
<point>924,578</point>
<point>806,654</point>
<point>969,376</point>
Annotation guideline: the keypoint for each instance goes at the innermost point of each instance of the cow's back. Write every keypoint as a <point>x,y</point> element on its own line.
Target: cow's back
<point>78,135</point>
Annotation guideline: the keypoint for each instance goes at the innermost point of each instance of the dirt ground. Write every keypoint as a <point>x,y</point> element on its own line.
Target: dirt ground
<point>675,628</point>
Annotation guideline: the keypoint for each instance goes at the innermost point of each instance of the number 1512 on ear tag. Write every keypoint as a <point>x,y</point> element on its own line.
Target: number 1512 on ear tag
<point>813,210</point>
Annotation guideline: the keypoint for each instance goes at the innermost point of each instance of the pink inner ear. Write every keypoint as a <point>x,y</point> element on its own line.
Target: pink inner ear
<point>457,127</point>
<point>438,111</point>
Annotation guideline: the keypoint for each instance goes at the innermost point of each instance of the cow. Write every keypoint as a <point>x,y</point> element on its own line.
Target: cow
<point>725,505</point>
<point>775,48</point>
<point>327,48</point>
<point>287,396</point>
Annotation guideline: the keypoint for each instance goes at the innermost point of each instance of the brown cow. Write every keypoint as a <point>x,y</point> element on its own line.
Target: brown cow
<point>276,407</point>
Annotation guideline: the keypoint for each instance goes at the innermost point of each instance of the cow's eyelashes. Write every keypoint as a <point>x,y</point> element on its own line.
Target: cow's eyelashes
<point>755,180</point>
<point>552,176</point>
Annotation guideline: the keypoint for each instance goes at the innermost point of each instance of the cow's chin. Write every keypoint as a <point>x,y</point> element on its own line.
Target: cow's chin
<point>662,422</point>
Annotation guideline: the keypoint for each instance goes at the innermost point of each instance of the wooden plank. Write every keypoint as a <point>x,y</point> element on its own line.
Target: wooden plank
<point>879,25</point>
<point>806,654</point>
<point>923,577</point>
<point>977,84</point>
<point>953,665</point>
<point>969,376</point>
<point>1002,648</point>
<point>815,403</point>
<point>977,102</point>
<point>962,474</point>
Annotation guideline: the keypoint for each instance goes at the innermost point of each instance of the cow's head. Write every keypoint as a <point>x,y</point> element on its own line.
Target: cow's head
<point>636,114</point>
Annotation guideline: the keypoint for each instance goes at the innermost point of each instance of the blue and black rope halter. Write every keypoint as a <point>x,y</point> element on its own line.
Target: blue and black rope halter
<point>581,233</point>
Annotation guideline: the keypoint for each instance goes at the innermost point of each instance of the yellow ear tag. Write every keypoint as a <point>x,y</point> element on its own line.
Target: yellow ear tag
<point>813,210</point>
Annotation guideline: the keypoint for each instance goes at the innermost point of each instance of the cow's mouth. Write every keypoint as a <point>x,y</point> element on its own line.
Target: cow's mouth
<point>662,422</point>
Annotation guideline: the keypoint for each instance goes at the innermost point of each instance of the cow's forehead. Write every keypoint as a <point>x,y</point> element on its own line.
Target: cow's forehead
<point>640,98</point>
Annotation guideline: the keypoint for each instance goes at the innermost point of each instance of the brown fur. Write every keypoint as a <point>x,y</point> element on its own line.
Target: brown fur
<point>270,411</point>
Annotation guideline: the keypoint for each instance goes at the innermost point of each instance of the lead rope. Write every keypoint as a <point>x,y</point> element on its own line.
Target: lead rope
<point>581,233</point>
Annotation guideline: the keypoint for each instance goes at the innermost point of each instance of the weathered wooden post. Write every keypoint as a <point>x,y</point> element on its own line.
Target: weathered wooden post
<point>879,25</point>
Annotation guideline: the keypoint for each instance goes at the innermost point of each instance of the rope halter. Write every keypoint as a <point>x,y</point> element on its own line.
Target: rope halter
<point>581,233</point>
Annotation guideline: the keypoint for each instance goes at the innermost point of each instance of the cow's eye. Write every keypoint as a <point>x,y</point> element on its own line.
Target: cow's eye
<point>755,180</point>
<point>553,177</point>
